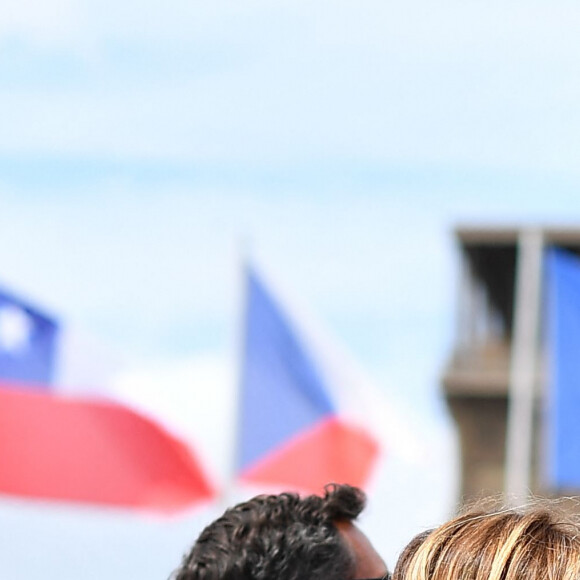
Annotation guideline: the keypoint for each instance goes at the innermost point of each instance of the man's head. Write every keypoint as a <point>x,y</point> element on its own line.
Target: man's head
<point>285,537</point>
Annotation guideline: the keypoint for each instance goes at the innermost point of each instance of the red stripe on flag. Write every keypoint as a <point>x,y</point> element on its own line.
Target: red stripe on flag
<point>330,452</point>
<point>95,452</point>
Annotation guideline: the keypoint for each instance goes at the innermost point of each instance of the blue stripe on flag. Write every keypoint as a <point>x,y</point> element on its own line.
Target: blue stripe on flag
<point>27,342</point>
<point>563,342</point>
<point>282,392</point>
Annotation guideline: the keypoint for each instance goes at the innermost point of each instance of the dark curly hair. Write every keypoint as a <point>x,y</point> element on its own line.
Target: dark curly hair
<point>277,537</point>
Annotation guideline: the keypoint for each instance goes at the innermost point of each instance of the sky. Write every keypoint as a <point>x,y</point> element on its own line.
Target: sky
<point>147,149</point>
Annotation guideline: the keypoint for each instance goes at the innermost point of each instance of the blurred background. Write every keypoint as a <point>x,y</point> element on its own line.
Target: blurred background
<point>146,148</point>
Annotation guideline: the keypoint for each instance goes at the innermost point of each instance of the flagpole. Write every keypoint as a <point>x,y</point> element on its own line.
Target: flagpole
<point>521,392</point>
<point>227,495</point>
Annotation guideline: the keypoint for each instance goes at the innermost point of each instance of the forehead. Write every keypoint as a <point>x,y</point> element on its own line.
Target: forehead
<point>368,563</point>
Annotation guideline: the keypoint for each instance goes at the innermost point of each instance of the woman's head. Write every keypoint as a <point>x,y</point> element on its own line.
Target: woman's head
<point>536,544</point>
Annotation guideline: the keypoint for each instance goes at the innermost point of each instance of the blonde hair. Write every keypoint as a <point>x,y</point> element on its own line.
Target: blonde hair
<point>538,543</point>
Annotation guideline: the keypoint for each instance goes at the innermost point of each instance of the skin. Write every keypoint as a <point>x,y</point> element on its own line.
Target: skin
<point>368,562</point>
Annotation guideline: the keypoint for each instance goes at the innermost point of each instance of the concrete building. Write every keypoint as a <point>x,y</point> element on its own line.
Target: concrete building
<point>497,354</point>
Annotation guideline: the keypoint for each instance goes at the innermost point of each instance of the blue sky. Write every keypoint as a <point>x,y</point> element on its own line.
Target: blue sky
<point>145,147</point>
<point>398,82</point>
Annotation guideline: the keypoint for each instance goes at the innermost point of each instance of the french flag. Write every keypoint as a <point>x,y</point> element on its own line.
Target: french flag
<point>56,444</point>
<point>300,425</point>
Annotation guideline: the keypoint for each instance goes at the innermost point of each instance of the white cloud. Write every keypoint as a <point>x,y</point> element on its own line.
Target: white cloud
<point>168,251</point>
<point>491,84</point>
<point>50,24</point>
<point>195,398</point>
